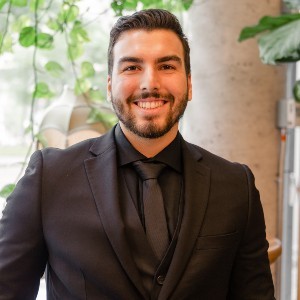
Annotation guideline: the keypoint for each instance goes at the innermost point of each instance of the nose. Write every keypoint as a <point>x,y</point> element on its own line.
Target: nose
<point>150,80</point>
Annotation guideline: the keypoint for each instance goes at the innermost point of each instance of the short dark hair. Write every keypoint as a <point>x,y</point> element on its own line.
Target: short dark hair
<point>149,19</point>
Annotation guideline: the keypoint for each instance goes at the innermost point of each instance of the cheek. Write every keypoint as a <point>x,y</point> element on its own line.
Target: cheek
<point>179,92</point>
<point>176,86</point>
<point>124,87</point>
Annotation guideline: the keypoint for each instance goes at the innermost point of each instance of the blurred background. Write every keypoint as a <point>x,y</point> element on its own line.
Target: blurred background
<point>245,107</point>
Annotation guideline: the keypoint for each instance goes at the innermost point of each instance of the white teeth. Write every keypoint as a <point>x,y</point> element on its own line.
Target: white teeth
<point>150,105</point>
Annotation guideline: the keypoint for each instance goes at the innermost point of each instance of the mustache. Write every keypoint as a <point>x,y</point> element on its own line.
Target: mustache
<point>145,95</point>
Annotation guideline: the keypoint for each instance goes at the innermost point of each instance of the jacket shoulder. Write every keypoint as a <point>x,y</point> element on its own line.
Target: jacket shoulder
<point>82,150</point>
<point>212,160</point>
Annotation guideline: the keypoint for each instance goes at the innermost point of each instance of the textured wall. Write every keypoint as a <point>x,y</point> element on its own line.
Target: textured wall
<point>233,111</point>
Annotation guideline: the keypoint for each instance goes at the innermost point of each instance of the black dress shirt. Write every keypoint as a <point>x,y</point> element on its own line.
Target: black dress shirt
<point>170,180</point>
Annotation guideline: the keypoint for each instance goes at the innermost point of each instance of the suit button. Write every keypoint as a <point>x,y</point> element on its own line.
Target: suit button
<point>160,279</point>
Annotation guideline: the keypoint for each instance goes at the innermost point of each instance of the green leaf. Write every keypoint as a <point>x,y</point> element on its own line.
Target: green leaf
<point>41,138</point>
<point>68,13</point>
<point>296,91</point>
<point>75,51</point>
<point>44,41</point>
<point>117,7</point>
<point>42,91</point>
<point>71,2</point>
<point>130,4</point>
<point>36,4</point>
<point>187,4</point>
<point>150,4</point>
<point>54,68</point>
<point>267,23</point>
<point>171,5</point>
<point>87,69</point>
<point>19,3</point>
<point>107,118</point>
<point>27,36</point>
<point>54,25</point>
<point>2,3</point>
<point>78,34</point>
<point>73,12</point>
<point>82,85</point>
<point>7,190</point>
<point>96,95</point>
<point>104,117</point>
<point>281,44</point>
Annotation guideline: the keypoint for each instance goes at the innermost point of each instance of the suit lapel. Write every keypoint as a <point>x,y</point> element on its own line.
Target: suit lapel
<point>102,175</point>
<point>196,187</point>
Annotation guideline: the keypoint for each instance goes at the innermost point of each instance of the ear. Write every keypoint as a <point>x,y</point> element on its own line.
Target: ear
<point>189,87</point>
<point>108,90</point>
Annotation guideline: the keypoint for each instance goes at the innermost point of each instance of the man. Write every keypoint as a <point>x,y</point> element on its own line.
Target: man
<point>83,213</point>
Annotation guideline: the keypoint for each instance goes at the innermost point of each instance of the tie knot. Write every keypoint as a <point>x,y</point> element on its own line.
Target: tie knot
<point>148,170</point>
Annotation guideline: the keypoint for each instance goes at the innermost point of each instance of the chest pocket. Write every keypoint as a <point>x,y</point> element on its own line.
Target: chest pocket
<point>215,242</point>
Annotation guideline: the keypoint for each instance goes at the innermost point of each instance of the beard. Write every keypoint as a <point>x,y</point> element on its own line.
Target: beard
<point>150,129</point>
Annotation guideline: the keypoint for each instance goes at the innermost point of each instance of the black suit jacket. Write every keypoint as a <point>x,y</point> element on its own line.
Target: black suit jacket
<point>64,214</point>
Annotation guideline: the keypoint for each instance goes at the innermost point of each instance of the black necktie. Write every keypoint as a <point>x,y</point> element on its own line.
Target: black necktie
<point>155,218</point>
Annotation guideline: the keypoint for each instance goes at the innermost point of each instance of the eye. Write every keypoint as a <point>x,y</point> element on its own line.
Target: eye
<point>130,68</point>
<point>167,67</point>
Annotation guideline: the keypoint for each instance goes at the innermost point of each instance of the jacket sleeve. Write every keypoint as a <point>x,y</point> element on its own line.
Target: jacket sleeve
<point>23,253</point>
<point>251,276</point>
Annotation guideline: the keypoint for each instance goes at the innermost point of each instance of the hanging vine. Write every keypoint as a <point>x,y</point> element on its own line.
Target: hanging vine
<point>37,25</point>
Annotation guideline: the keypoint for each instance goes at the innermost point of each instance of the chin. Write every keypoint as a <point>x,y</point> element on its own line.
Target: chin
<point>150,130</point>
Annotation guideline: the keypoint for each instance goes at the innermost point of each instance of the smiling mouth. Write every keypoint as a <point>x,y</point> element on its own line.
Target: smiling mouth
<point>150,104</point>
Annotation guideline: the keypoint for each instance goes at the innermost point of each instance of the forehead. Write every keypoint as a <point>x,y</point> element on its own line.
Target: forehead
<point>140,42</point>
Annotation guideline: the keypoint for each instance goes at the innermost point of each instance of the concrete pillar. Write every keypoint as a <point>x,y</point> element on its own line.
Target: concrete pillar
<point>233,111</point>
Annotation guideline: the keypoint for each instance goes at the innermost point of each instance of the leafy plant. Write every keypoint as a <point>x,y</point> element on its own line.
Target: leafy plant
<point>58,36</point>
<point>278,38</point>
<point>119,6</point>
<point>7,190</point>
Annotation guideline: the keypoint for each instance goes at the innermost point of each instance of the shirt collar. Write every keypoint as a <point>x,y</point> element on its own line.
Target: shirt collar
<point>171,155</point>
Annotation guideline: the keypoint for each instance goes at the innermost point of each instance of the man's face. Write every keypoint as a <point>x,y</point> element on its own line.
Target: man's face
<point>148,86</point>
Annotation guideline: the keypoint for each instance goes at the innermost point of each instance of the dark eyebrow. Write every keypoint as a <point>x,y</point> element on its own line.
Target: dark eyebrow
<point>129,59</point>
<point>169,58</point>
<point>159,60</point>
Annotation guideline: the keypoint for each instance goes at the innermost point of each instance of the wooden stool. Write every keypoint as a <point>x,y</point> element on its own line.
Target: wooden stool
<point>274,250</point>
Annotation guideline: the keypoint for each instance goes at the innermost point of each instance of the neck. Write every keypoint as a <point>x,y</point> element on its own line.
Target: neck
<point>147,146</point>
